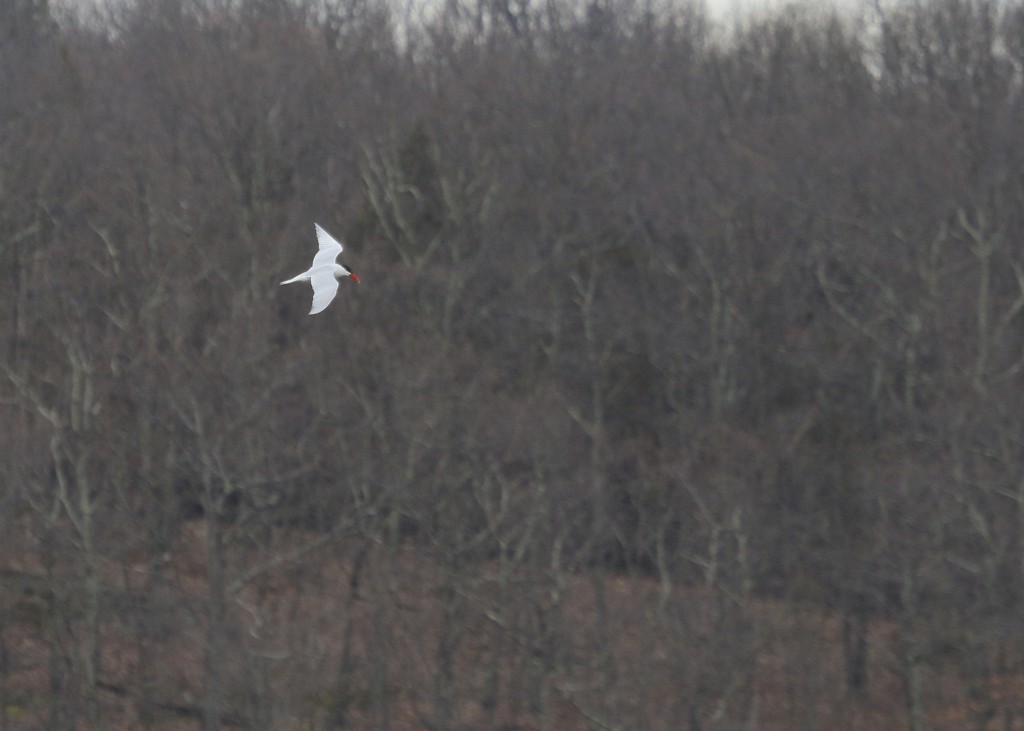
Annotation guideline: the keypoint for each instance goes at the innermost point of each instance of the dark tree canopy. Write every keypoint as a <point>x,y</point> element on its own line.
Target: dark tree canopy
<point>683,388</point>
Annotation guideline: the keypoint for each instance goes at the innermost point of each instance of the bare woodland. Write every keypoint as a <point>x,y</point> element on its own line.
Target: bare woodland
<point>683,388</point>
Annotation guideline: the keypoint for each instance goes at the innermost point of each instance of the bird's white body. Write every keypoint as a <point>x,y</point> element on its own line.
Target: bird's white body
<point>325,272</point>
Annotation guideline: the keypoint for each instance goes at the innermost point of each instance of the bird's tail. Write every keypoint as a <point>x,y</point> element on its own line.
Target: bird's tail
<point>293,279</point>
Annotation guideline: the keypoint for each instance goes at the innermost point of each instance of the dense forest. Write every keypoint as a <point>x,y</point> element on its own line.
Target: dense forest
<point>682,390</point>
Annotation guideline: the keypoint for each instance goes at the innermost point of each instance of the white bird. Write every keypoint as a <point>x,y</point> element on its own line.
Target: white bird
<point>325,273</point>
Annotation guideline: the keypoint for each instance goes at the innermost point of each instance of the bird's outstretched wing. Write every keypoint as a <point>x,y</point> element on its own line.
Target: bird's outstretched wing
<point>330,247</point>
<point>325,286</point>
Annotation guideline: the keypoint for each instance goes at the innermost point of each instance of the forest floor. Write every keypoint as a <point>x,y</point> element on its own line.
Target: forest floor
<point>364,637</point>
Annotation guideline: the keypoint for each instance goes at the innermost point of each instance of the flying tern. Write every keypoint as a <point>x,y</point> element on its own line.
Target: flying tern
<point>325,272</point>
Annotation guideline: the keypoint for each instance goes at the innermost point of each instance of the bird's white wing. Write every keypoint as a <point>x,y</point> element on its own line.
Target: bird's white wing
<point>325,286</point>
<point>330,247</point>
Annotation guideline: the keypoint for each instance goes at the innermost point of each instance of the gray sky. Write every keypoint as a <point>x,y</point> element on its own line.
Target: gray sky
<point>727,9</point>
<point>722,12</point>
<point>720,9</point>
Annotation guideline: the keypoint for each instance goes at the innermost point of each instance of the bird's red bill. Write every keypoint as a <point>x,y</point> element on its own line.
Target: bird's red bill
<point>354,278</point>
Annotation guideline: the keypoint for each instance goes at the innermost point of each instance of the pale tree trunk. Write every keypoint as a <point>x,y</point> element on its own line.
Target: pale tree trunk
<point>911,659</point>
<point>214,649</point>
<point>76,495</point>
